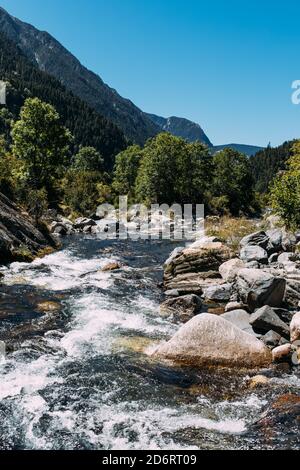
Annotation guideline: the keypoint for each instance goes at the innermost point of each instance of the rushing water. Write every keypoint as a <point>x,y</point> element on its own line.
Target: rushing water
<point>78,377</point>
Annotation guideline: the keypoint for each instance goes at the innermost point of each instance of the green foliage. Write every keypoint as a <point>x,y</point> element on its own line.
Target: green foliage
<point>41,143</point>
<point>126,170</point>
<point>88,159</point>
<point>285,190</point>
<point>82,191</point>
<point>37,203</point>
<point>233,181</point>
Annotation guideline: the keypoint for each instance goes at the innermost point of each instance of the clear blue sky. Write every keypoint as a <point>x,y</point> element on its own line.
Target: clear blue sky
<point>226,64</point>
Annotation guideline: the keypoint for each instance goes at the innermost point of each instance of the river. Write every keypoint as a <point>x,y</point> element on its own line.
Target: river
<point>78,377</point>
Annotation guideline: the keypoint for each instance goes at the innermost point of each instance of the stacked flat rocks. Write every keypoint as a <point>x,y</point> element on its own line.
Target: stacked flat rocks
<point>259,292</point>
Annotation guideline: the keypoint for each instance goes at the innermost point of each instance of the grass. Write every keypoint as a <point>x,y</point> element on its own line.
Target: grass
<point>231,230</point>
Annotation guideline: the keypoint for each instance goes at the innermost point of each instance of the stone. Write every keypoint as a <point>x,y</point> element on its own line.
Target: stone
<point>295,327</point>
<point>275,240</point>
<point>48,307</point>
<point>252,265</point>
<point>230,268</point>
<point>282,353</point>
<point>113,266</point>
<point>258,381</point>
<point>172,293</point>
<point>220,292</point>
<point>271,339</point>
<point>257,239</point>
<point>251,253</point>
<point>289,241</point>
<point>239,318</point>
<point>273,258</point>
<point>60,230</point>
<point>256,288</point>
<point>285,315</point>
<point>235,306</point>
<point>181,309</point>
<point>287,258</point>
<point>265,319</point>
<point>209,340</point>
<point>83,222</point>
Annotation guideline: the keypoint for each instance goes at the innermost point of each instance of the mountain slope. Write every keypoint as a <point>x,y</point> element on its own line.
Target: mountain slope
<point>248,150</point>
<point>50,56</point>
<point>87,126</point>
<point>181,127</point>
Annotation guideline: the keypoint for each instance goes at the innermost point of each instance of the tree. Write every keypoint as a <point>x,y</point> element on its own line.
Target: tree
<point>126,170</point>
<point>88,159</point>
<point>82,191</point>
<point>285,190</point>
<point>233,181</point>
<point>41,142</point>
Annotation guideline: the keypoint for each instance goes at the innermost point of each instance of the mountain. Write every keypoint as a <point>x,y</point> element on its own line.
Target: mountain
<point>248,150</point>
<point>51,57</point>
<point>181,128</point>
<point>26,80</point>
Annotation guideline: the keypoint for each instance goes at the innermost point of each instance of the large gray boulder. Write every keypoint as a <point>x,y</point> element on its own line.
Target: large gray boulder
<point>209,340</point>
<point>275,240</point>
<point>230,268</point>
<point>221,292</point>
<point>295,327</point>
<point>257,288</point>
<point>257,239</point>
<point>181,309</point>
<point>265,319</point>
<point>239,318</point>
<point>251,253</point>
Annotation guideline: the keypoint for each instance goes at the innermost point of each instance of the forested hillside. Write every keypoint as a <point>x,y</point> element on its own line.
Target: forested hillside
<point>87,126</point>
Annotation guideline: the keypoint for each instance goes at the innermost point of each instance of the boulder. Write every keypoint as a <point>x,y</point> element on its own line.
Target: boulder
<point>239,318</point>
<point>282,353</point>
<point>273,258</point>
<point>271,339</point>
<point>258,381</point>
<point>182,308</point>
<point>230,268</point>
<point>288,258</point>
<point>251,253</point>
<point>113,266</point>
<point>83,222</point>
<point>256,288</point>
<point>257,239</point>
<point>209,340</point>
<point>265,319</point>
<point>235,306</point>
<point>221,292</point>
<point>172,293</point>
<point>275,240</point>
<point>295,327</point>
<point>289,241</point>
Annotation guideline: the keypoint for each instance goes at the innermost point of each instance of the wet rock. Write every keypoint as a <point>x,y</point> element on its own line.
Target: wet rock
<point>271,339</point>
<point>229,269</point>
<point>265,319</point>
<point>260,239</point>
<point>113,266</point>
<point>256,288</point>
<point>282,353</point>
<point>209,340</point>
<point>48,306</point>
<point>181,309</point>
<point>295,327</point>
<point>221,293</point>
<point>251,253</point>
<point>239,318</point>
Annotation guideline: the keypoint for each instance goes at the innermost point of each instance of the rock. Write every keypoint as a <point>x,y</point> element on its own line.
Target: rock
<point>113,266</point>
<point>287,258</point>
<point>295,328</point>
<point>251,253</point>
<point>256,288</point>
<point>285,315</point>
<point>271,339</point>
<point>60,230</point>
<point>273,258</point>
<point>172,293</point>
<point>239,318</point>
<point>265,319</point>
<point>87,229</point>
<point>235,306</point>
<point>282,353</point>
<point>209,340</point>
<point>289,241</point>
<point>275,240</point>
<point>260,239</point>
<point>181,309</point>
<point>220,292</point>
<point>252,265</point>
<point>230,268</point>
<point>83,222</point>
<point>48,306</point>
<point>20,239</point>
<point>258,381</point>
<point>109,227</point>
<point>273,221</point>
